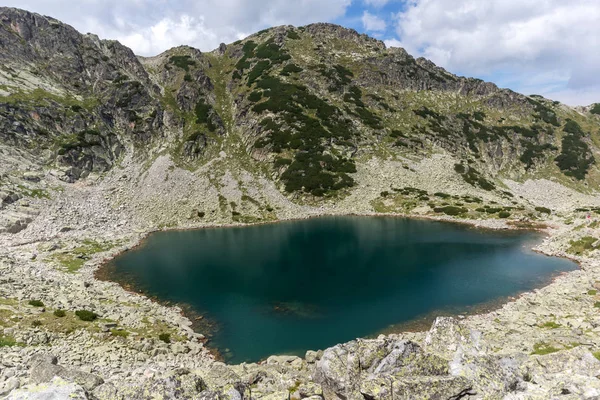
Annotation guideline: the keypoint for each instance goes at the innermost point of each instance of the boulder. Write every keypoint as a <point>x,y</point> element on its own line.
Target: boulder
<point>344,370</point>
<point>57,388</point>
<point>409,388</point>
<point>470,357</point>
<point>44,368</point>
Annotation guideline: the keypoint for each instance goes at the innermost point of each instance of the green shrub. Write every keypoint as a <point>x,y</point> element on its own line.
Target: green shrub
<point>255,96</point>
<point>36,303</point>
<point>290,69</point>
<point>544,113</point>
<point>460,168</point>
<point>258,71</point>
<point>187,78</point>
<point>442,195</point>
<point>543,210</point>
<point>203,111</point>
<point>280,162</point>
<point>595,109</point>
<point>534,152</point>
<point>573,127</point>
<point>86,315</point>
<point>249,47</point>
<point>597,304</point>
<point>474,178</point>
<point>503,214</point>
<point>576,157</point>
<point>311,171</point>
<point>271,51</point>
<point>60,313</point>
<point>165,337</point>
<point>36,323</point>
<point>451,210</point>
<point>479,115</point>
<point>293,35</point>
<point>183,62</point>
<point>338,76</point>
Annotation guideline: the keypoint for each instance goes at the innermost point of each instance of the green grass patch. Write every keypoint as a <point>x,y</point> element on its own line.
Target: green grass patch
<point>8,341</point>
<point>592,292</point>
<point>542,348</point>
<point>582,246</point>
<point>119,333</point>
<point>73,260</point>
<point>551,325</point>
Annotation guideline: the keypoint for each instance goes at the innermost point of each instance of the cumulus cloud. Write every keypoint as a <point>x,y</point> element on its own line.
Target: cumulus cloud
<point>372,23</point>
<point>519,39</point>
<point>152,26</point>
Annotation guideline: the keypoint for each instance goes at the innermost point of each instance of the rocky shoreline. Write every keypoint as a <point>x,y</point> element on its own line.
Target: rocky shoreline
<point>129,367</point>
<point>101,270</point>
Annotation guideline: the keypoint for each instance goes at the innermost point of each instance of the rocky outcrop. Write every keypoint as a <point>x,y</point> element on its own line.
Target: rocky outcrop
<point>45,367</point>
<point>56,389</point>
<point>381,368</point>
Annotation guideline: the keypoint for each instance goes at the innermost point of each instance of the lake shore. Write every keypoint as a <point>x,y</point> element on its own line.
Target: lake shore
<point>202,325</point>
<point>557,315</point>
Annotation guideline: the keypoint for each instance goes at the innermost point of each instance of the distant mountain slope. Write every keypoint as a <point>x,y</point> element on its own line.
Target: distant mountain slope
<point>305,106</point>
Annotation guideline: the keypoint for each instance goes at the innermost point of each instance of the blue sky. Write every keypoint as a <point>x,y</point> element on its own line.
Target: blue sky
<point>547,47</point>
<point>355,12</point>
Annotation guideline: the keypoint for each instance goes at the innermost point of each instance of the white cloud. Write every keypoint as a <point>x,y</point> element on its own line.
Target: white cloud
<point>524,37</point>
<point>152,26</point>
<point>393,43</point>
<point>376,3</point>
<point>373,23</point>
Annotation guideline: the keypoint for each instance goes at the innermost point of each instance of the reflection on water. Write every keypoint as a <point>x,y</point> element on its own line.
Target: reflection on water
<point>293,286</point>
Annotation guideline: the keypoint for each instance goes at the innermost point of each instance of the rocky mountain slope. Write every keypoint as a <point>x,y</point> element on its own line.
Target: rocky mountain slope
<point>98,147</point>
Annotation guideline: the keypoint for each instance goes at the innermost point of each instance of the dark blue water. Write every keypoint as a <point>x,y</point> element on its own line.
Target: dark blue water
<point>293,286</point>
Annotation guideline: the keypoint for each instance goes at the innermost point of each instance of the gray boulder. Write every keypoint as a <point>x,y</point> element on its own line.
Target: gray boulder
<point>366,368</point>
<point>56,389</point>
<point>44,368</point>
